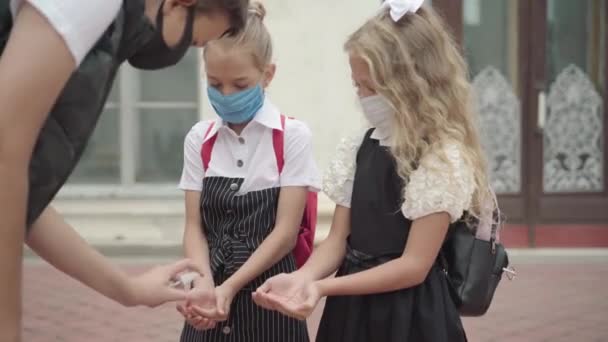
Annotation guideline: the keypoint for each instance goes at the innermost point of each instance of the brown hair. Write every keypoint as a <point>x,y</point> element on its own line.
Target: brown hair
<point>416,65</point>
<point>235,9</point>
<point>254,37</point>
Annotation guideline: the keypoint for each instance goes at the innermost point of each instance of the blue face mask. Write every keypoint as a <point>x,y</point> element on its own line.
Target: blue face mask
<point>239,107</point>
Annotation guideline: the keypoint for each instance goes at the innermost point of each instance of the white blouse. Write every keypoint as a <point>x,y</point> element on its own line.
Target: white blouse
<point>251,155</point>
<point>435,186</point>
<point>79,22</point>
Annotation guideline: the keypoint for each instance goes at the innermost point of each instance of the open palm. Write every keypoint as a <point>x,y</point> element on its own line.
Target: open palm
<point>282,286</point>
<point>300,305</point>
<point>292,294</point>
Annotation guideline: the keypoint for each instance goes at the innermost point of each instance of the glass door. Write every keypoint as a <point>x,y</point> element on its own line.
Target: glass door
<point>491,42</point>
<point>567,101</point>
<point>540,82</point>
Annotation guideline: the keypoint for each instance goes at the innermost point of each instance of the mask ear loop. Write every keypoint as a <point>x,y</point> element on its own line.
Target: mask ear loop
<point>160,23</point>
<point>160,17</point>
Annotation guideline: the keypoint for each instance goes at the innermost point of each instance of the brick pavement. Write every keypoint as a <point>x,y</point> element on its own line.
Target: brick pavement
<point>547,302</point>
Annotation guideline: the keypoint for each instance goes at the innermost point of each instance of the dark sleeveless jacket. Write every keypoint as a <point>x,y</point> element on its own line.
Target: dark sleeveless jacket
<point>74,116</point>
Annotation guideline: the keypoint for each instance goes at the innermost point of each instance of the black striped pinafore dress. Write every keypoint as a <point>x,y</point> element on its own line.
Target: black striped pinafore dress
<point>236,224</point>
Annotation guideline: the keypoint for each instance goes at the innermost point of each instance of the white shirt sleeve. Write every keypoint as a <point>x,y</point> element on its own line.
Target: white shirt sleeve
<point>80,23</point>
<point>193,172</point>
<point>300,168</point>
<point>340,175</point>
<point>440,185</point>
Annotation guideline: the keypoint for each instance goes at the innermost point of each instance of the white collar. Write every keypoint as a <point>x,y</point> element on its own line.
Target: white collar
<point>382,135</point>
<point>268,116</point>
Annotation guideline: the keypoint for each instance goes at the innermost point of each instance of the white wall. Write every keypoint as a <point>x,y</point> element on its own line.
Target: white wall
<point>313,77</point>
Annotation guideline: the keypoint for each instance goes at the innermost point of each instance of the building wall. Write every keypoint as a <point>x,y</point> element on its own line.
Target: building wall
<point>138,142</point>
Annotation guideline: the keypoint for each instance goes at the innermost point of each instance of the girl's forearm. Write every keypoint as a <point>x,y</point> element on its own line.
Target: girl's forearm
<point>274,248</point>
<point>425,238</point>
<point>196,248</point>
<point>325,259</point>
<point>394,275</point>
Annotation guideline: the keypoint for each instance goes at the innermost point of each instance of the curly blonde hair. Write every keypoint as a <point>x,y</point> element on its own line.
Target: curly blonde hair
<point>416,65</point>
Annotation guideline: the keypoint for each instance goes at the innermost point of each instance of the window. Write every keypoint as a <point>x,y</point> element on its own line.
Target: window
<point>139,138</point>
<point>100,162</point>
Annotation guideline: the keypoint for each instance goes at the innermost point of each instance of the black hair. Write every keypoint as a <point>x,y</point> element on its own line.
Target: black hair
<point>235,9</point>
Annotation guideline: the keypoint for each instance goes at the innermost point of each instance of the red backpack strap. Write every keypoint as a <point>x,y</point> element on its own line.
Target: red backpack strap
<point>207,147</point>
<point>306,235</point>
<point>278,142</point>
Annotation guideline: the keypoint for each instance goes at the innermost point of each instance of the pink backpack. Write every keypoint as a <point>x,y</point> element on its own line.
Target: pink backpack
<point>306,235</point>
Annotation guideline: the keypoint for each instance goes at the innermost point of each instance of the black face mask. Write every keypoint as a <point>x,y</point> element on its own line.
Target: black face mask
<point>156,54</point>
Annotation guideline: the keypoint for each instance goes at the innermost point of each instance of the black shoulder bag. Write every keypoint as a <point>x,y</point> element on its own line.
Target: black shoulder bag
<point>474,267</point>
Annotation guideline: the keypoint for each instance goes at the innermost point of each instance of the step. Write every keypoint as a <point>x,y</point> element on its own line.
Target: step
<point>152,207</point>
<point>152,228</point>
<point>142,227</point>
<point>147,242</point>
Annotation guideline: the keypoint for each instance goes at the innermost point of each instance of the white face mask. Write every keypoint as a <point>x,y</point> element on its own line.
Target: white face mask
<point>378,113</point>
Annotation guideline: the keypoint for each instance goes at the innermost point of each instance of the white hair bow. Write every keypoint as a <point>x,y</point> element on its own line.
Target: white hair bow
<point>399,8</point>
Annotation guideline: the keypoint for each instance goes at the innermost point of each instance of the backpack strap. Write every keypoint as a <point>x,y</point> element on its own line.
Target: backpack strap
<point>278,142</point>
<point>207,147</point>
